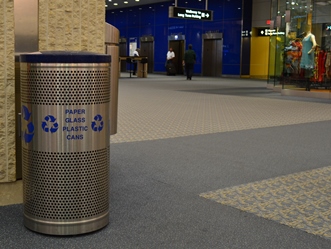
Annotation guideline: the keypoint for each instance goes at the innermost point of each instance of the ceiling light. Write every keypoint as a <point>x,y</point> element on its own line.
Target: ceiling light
<point>322,3</point>
<point>137,0</point>
<point>115,3</point>
<point>126,2</point>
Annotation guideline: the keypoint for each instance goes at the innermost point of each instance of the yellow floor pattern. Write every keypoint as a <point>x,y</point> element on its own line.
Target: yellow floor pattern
<point>301,200</point>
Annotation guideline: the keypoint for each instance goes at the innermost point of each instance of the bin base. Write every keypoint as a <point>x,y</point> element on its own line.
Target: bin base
<point>65,227</point>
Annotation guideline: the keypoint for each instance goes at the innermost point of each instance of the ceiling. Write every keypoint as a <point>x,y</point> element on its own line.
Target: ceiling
<point>130,3</point>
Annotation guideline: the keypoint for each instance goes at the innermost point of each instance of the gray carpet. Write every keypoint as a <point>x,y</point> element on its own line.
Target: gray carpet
<point>155,187</point>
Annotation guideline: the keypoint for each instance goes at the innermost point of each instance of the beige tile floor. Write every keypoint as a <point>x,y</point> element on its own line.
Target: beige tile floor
<point>148,112</point>
<point>11,193</point>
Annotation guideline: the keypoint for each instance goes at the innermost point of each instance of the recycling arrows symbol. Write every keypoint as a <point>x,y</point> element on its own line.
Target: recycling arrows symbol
<point>97,124</point>
<point>49,124</point>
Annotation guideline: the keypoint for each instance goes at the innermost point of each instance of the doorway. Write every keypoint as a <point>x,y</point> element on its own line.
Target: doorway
<point>122,53</point>
<point>212,55</point>
<point>147,50</point>
<point>177,43</point>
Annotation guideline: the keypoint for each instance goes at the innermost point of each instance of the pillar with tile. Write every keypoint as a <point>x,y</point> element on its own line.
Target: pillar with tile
<point>66,25</point>
<point>7,92</point>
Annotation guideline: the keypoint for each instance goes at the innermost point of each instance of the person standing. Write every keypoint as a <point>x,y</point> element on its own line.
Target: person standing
<point>170,66</point>
<point>170,56</point>
<point>189,61</point>
<point>135,54</point>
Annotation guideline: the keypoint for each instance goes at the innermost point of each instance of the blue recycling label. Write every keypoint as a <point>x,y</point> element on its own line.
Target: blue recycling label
<point>97,124</point>
<point>28,129</point>
<point>65,128</point>
<point>49,124</point>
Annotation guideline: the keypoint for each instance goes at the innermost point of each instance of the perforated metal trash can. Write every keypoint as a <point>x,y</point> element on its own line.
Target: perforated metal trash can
<point>65,99</point>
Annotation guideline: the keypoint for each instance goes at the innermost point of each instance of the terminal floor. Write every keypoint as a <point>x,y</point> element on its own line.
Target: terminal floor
<point>208,163</point>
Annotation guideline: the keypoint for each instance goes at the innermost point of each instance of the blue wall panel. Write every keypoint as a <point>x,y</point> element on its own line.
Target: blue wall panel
<point>218,9</point>
<point>231,9</point>
<point>161,14</point>
<point>231,69</point>
<point>231,43</point>
<point>147,16</point>
<point>153,20</point>
<point>160,47</point>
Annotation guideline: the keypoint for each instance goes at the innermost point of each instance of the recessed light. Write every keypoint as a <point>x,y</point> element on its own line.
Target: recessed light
<point>115,3</point>
<point>126,2</point>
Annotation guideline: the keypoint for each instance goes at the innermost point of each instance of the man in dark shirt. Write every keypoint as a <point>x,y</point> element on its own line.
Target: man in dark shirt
<point>189,61</point>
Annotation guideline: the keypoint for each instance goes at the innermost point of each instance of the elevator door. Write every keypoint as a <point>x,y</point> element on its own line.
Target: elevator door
<point>147,50</point>
<point>178,48</point>
<point>212,57</point>
<point>123,53</point>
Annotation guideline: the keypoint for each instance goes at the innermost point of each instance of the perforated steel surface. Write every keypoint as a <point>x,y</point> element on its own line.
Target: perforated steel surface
<point>66,186</point>
<point>65,146</point>
<point>44,84</point>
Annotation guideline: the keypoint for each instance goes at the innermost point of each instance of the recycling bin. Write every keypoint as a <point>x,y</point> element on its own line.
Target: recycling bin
<point>65,129</point>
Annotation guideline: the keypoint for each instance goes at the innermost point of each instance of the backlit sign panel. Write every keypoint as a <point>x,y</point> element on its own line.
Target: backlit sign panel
<point>193,14</point>
<point>269,32</point>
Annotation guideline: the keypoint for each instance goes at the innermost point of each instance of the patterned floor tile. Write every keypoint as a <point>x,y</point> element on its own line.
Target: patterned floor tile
<point>301,200</point>
<point>151,112</point>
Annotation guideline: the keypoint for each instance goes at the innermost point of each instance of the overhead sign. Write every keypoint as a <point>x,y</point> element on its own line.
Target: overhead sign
<point>246,33</point>
<point>193,14</point>
<point>269,32</point>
